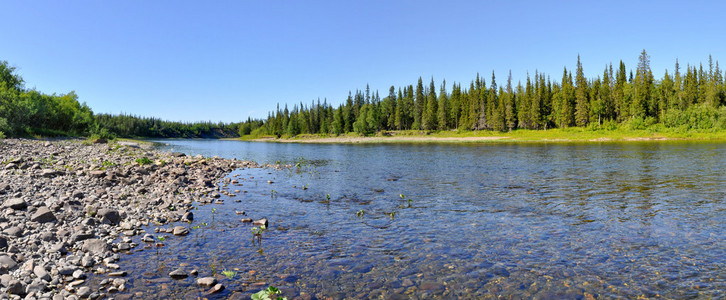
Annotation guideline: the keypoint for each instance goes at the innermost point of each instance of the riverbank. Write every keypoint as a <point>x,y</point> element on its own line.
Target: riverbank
<point>69,207</point>
<point>568,135</point>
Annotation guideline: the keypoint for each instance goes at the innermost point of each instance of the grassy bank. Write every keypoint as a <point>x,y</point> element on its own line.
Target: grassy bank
<point>576,134</point>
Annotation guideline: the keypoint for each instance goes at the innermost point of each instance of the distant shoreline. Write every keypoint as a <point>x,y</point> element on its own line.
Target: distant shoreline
<point>574,135</point>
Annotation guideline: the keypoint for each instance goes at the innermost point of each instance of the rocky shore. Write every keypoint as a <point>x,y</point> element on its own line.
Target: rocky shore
<point>69,207</point>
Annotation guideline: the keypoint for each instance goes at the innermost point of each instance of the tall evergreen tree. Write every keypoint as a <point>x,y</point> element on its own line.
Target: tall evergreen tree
<point>582,111</point>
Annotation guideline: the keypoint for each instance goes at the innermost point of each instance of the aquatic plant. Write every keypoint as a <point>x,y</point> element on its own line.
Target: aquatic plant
<point>229,274</point>
<point>360,213</point>
<point>159,244</point>
<point>268,294</point>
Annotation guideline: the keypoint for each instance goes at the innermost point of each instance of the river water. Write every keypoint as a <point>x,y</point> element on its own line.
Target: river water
<point>552,221</point>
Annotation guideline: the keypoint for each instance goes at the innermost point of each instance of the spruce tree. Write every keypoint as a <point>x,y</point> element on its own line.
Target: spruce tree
<point>443,113</point>
<point>582,102</point>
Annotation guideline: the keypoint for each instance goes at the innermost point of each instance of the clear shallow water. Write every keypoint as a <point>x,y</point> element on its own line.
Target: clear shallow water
<point>519,220</point>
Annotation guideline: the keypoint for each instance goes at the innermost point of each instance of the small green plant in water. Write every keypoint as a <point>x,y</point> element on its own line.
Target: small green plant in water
<point>229,274</point>
<point>327,196</point>
<point>360,213</point>
<point>270,293</point>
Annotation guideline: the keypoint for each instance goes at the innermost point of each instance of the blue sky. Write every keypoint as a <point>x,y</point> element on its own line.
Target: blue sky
<point>227,60</point>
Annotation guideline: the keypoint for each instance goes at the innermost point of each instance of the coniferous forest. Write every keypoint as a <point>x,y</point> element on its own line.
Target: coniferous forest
<point>690,97</point>
<point>687,98</point>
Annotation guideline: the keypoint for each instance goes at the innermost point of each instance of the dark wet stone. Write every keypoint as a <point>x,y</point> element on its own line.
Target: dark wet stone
<point>216,288</point>
<point>187,217</point>
<point>178,274</point>
<point>432,286</point>
<point>16,287</point>
<point>3,243</point>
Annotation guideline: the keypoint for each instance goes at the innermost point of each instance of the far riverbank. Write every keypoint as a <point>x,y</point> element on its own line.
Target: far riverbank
<point>543,136</point>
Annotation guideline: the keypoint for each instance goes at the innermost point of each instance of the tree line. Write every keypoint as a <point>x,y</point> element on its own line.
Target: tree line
<point>693,98</point>
<point>26,112</point>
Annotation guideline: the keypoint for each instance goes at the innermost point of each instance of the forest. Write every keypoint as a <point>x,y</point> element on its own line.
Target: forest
<point>25,113</point>
<point>689,99</point>
<point>684,100</point>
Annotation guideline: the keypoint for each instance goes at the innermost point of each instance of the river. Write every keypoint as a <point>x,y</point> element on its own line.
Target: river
<point>553,221</point>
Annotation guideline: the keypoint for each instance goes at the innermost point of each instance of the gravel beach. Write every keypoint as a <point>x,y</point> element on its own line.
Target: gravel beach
<point>69,207</point>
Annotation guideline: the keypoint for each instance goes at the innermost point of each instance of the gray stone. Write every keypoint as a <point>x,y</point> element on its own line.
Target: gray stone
<point>8,262</point>
<point>59,247</point>
<point>109,215</point>
<point>187,217</point>
<point>80,236</point>
<point>16,204</point>
<point>43,215</point>
<point>94,246</point>
<point>14,231</point>
<point>97,173</point>
<point>260,222</point>
<point>3,243</point>
<point>148,238</point>
<point>78,274</point>
<point>216,288</point>
<point>83,292</point>
<point>181,230</point>
<point>123,246</point>
<point>41,273</point>
<point>48,173</point>
<point>178,274</point>
<point>207,281</point>
<point>117,274</point>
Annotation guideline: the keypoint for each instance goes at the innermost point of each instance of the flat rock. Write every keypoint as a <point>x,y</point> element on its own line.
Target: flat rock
<point>16,204</point>
<point>48,173</point>
<point>180,230</point>
<point>207,281</point>
<point>216,288</point>
<point>117,274</point>
<point>43,215</point>
<point>94,246</point>
<point>97,173</point>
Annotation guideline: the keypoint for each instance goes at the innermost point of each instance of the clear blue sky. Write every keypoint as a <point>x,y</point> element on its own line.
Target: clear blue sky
<point>227,60</point>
